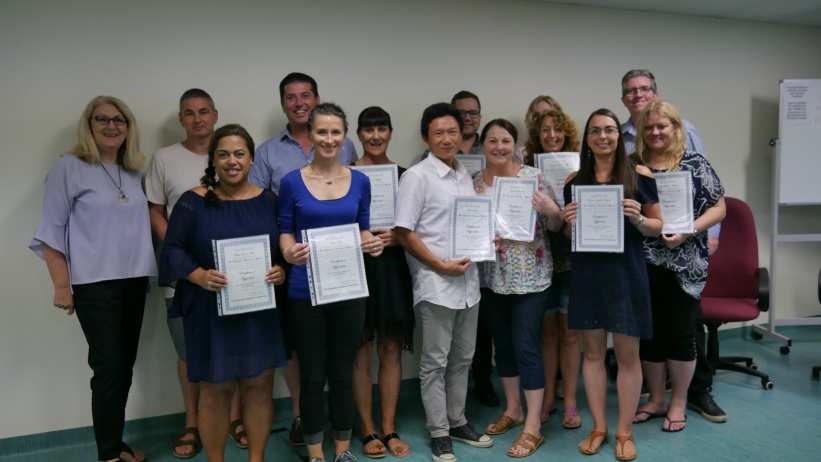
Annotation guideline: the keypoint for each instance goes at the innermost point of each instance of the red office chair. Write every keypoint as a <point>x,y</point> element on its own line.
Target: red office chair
<point>816,371</point>
<point>737,289</point>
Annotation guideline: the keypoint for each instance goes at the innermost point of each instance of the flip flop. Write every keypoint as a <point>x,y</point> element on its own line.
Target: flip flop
<point>671,422</point>
<point>373,455</point>
<point>547,412</point>
<point>650,416</point>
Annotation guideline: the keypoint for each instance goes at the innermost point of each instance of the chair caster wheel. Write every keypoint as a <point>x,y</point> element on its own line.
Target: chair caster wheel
<point>767,385</point>
<point>753,366</point>
<point>757,336</point>
<point>785,350</point>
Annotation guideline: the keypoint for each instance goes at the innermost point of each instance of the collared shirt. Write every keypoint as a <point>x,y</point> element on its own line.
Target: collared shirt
<point>282,154</point>
<point>423,206</point>
<point>694,144</point>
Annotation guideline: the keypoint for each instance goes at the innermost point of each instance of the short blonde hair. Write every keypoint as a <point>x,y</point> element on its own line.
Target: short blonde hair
<point>530,116</point>
<point>129,155</point>
<point>675,152</point>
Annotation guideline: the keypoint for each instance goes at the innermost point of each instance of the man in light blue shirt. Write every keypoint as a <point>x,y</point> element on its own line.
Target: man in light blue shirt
<point>638,89</point>
<point>285,152</point>
<point>291,149</point>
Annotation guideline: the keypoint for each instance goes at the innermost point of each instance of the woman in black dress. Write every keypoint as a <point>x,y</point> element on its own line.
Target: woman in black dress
<point>389,315</point>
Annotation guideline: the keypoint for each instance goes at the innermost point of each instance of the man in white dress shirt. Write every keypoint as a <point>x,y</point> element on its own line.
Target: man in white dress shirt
<point>446,293</point>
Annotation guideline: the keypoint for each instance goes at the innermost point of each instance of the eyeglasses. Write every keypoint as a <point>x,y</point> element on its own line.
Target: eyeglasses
<point>473,114</point>
<point>104,120</point>
<point>609,131</point>
<point>634,90</point>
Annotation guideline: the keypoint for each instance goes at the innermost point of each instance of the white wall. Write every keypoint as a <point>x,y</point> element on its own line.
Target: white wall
<point>56,55</point>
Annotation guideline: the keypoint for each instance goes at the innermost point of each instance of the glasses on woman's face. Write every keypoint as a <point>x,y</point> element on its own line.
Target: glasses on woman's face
<point>104,120</point>
<point>609,131</point>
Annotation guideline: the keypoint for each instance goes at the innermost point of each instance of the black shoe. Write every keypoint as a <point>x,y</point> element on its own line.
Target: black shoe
<point>486,394</point>
<point>645,392</point>
<point>468,435</point>
<point>295,434</point>
<point>707,407</point>
<point>442,449</point>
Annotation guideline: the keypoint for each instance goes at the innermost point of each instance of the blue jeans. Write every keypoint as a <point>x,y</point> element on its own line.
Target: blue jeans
<point>515,322</point>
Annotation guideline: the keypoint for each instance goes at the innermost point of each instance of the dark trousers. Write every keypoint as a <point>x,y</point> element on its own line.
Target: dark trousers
<point>483,354</point>
<point>703,376</point>
<point>111,315</point>
<point>327,339</point>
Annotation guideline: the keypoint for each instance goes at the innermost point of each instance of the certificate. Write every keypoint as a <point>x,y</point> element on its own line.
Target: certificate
<point>556,167</point>
<point>336,268</point>
<point>473,163</point>
<point>244,261</point>
<point>676,201</point>
<point>599,223</point>
<point>384,186</point>
<point>471,228</point>
<point>515,217</point>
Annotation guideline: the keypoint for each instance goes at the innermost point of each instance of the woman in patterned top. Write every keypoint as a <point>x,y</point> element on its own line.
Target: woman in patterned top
<point>677,265</point>
<point>515,292</point>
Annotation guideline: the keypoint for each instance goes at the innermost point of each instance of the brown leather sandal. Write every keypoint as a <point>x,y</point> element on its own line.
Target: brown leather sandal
<point>528,442</point>
<point>620,441</point>
<point>591,438</point>
<point>195,443</point>
<point>237,436</point>
<point>503,424</point>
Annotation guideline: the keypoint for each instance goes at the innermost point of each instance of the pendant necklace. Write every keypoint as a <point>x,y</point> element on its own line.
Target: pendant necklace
<point>234,198</point>
<point>328,182</point>
<point>123,197</point>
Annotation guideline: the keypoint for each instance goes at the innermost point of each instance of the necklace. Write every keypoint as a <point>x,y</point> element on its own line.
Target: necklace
<point>123,197</point>
<point>328,182</point>
<point>236,198</point>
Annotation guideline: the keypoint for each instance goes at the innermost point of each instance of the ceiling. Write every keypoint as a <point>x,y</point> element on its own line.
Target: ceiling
<point>795,12</point>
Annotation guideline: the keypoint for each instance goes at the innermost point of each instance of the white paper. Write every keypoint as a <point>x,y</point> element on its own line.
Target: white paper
<point>798,103</point>
<point>676,201</point>
<point>599,223</point>
<point>515,216</point>
<point>473,163</point>
<point>244,261</point>
<point>336,268</point>
<point>384,187</point>
<point>556,167</point>
<point>471,228</point>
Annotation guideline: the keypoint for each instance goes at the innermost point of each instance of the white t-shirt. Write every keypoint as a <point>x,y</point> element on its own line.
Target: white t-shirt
<point>172,171</point>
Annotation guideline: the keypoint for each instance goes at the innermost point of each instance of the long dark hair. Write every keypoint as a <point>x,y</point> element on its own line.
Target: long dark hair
<point>210,179</point>
<point>624,170</point>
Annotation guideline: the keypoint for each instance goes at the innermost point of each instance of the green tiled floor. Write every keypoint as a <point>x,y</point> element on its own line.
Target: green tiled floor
<point>783,424</point>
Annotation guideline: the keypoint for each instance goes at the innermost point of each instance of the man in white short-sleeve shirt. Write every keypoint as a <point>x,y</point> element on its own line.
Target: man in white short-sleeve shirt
<point>172,171</point>
<point>446,293</point>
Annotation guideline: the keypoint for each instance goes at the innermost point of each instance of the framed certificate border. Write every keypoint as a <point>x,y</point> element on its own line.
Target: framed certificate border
<point>315,285</point>
<point>393,171</point>
<point>220,247</point>
<point>489,253</point>
<point>470,162</point>
<point>671,227</point>
<point>578,194</point>
<point>515,233</point>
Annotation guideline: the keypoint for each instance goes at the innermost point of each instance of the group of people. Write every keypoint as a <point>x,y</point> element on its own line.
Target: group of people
<point>538,303</point>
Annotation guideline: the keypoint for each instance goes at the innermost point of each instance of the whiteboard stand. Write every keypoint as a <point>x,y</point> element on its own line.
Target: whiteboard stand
<point>776,239</point>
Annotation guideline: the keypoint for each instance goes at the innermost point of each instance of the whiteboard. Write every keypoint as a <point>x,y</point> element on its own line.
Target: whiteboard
<point>799,146</point>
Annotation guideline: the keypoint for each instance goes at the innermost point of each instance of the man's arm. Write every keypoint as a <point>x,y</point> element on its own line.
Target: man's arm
<point>414,245</point>
<point>159,224</point>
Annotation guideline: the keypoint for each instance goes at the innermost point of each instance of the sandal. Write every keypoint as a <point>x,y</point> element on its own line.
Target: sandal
<point>195,443</point>
<point>503,424</point>
<point>401,450</point>
<point>620,442</point>
<point>670,423</point>
<point>380,453</point>
<point>591,438</point>
<point>237,436</point>
<point>528,442</point>
<point>571,414</point>
<point>546,412</point>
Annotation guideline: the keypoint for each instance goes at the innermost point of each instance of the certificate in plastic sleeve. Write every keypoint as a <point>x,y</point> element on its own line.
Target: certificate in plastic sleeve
<point>473,163</point>
<point>472,229</point>
<point>244,261</point>
<point>676,201</point>
<point>599,223</point>
<point>336,267</point>
<point>384,187</point>
<point>556,167</point>
<point>515,216</point>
